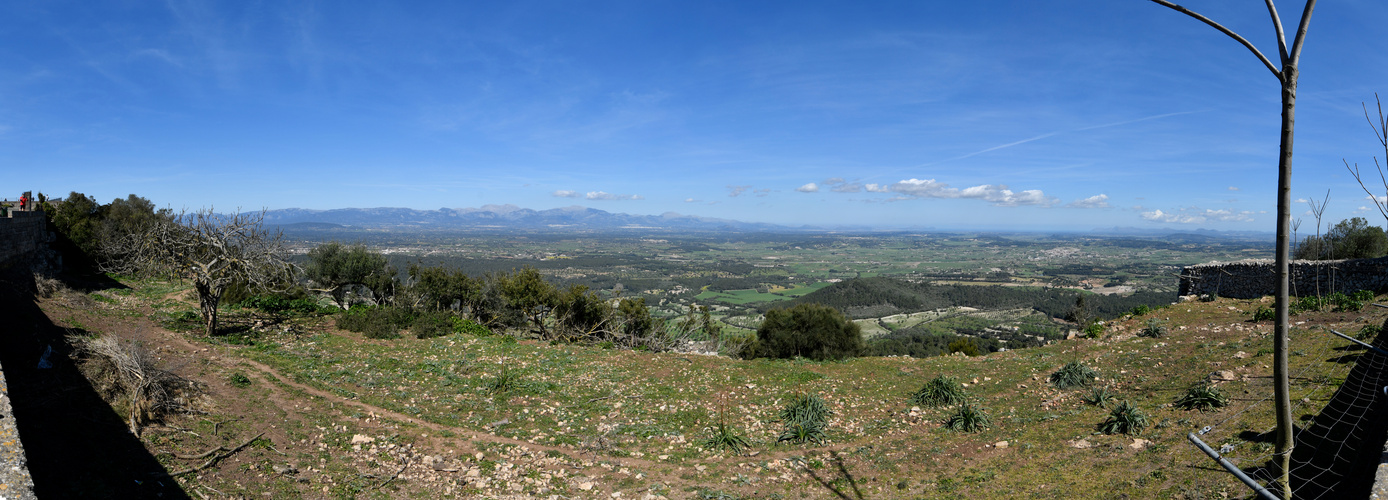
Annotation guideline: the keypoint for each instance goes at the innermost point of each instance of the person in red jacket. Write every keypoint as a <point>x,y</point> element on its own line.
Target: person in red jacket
<point>24,202</point>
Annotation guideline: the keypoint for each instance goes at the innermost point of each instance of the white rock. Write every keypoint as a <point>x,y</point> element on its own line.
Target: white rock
<point>585,486</point>
<point>362,439</point>
<point>1000,444</point>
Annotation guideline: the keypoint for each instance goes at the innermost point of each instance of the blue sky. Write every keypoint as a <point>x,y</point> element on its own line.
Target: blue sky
<point>989,115</point>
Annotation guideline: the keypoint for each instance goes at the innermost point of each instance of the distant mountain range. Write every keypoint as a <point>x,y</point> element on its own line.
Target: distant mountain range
<point>576,218</point>
<point>503,217</point>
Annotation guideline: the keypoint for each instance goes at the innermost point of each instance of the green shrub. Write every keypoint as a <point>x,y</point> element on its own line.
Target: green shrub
<point>805,419</point>
<point>1202,397</point>
<point>966,346</point>
<point>1308,303</point>
<point>380,322</point>
<point>1141,309</point>
<point>1264,313</point>
<point>277,304</point>
<point>432,324</point>
<point>813,331</point>
<point>1100,397</point>
<point>239,379</point>
<point>469,327</point>
<point>1124,419</point>
<point>968,418</point>
<point>940,391</point>
<point>1094,330</point>
<point>1369,332</point>
<point>1073,374</point>
<point>1350,303</point>
<point>1154,329</point>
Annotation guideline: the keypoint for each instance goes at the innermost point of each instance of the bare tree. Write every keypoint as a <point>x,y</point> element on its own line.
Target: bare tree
<point>210,250</point>
<point>1287,76</point>
<point>1380,133</point>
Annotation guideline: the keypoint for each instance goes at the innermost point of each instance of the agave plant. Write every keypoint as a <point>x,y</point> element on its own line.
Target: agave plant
<point>939,391</point>
<point>1100,397</point>
<point>1124,419</point>
<point>1073,374</point>
<point>805,419</point>
<point>968,418</point>
<point>1202,397</point>
<point>725,437</point>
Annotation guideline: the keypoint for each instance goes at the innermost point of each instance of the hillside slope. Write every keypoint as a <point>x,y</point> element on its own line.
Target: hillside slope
<point>465,416</point>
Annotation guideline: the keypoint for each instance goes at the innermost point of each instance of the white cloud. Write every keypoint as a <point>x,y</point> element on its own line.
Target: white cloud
<point>1198,216</point>
<point>808,188</point>
<point>997,194</point>
<point>564,193</point>
<point>877,188</point>
<point>1377,199</point>
<point>735,191</point>
<point>1233,188</point>
<point>600,195</point>
<point>839,185</point>
<point>1096,201</point>
<point>690,200</point>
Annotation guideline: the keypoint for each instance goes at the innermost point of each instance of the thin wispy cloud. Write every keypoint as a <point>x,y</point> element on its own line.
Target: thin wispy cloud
<point>605,196</point>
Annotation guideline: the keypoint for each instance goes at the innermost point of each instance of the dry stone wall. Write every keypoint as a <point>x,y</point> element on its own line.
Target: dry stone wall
<point>1247,279</point>
<point>24,239</point>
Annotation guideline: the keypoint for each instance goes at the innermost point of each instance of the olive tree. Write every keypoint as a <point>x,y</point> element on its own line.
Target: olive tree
<point>339,268</point>
<point>210,250</point>
<point>814,331</point>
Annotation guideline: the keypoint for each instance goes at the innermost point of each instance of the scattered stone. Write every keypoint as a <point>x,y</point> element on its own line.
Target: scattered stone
<point>585,486</point>
<point>1139,444</point>
<point>362,439</point>
<point>1081,444</point>
<point>284,469</point>
<point>1000,444</point>
<point>1240,355</point>
<point>1223,376</point>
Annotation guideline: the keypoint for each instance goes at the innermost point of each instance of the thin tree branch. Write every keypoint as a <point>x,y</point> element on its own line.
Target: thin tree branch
<point>1235,36</point>
<point>1301,31</point>
<point>1281,36</point>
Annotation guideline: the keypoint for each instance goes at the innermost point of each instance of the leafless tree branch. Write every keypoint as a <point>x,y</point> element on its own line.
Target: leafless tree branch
<point>1235,36</point>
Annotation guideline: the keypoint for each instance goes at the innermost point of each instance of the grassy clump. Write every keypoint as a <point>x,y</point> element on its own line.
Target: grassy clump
<point>1154,329</point>
<point>239,379</point>
<point>968,418</point>
<point>1124,419</point>
<point>1073,374</point>
<point>805,419</point>
<point>1202,397</point>
<point>940,391</point>
<point>1100,397</point>
<point>1141,309</point>
<point>1264,313</point>
<point>1094,330</point>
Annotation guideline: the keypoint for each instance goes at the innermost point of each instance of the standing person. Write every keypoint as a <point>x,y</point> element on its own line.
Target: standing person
<point>24,202</point>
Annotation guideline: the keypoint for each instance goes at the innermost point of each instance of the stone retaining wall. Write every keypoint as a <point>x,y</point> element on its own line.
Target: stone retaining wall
<point>24,239</point>
<point>15,483</point>
<point>1248,279</point>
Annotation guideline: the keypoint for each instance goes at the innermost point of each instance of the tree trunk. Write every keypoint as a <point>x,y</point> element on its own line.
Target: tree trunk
<point>208,298</point>
<point>1281,389</point>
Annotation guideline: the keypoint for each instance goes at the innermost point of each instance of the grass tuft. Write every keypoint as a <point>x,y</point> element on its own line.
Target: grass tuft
<point>1202,397</point>
<point>968,418</point>
<point>940,391</point>
<point>1100,397</point>
<point>1124,419</point>
<point>1073,374</point>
